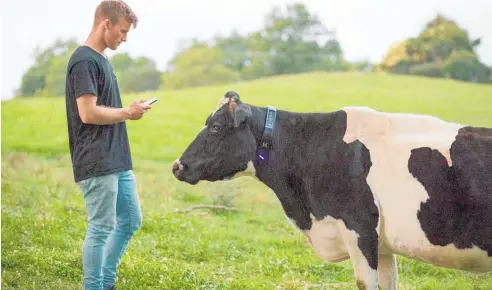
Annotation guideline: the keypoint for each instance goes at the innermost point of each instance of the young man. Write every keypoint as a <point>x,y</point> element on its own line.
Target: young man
<point>99,146</point>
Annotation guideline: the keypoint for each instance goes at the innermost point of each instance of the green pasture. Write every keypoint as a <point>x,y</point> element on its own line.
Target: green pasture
<point>43,212</point>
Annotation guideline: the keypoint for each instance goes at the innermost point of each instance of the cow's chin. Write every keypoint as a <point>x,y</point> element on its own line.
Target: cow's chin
<point>189,180</point>
<point>221,178</point>
<point>192,179</point>
<point>228,177</point>
<point>237,173</point>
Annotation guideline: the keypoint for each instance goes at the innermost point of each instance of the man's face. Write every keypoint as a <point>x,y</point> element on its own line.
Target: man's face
<point>116,33</point>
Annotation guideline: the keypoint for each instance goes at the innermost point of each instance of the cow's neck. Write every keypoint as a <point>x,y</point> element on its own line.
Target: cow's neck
<point>283,183</point>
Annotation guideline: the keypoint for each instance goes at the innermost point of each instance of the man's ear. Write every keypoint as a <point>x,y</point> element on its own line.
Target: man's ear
<point>240,112</point>
<point>106,24</point>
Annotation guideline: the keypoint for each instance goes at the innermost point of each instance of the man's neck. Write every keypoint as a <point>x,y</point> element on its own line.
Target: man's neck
<point>95,42</point>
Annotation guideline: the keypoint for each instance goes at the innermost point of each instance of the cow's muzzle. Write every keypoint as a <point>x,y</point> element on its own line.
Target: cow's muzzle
<point>182,172</point>
<point>177,168</point>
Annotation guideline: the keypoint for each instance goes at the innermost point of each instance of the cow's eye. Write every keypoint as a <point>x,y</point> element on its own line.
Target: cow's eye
<point>216,128</point>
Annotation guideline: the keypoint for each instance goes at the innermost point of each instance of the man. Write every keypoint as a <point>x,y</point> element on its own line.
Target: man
<point>99,146</point>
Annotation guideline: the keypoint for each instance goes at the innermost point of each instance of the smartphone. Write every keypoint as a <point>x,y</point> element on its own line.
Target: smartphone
<point>151,101</point>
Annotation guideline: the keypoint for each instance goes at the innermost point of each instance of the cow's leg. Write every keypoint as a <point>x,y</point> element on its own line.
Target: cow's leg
<point>388,272</point>
<point>361,234</point>
<point>363,251</point>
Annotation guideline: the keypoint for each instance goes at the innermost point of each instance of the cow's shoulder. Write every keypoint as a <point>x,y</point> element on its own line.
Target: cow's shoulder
<point>365,124</point>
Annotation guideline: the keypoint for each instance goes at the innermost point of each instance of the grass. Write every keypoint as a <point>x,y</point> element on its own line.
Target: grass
<point>43,212</point>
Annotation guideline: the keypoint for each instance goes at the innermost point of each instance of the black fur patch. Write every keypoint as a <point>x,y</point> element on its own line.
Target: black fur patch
<point>459,208</point>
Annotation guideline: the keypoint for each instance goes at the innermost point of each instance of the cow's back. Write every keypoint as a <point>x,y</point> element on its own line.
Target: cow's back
<point>424,212</point>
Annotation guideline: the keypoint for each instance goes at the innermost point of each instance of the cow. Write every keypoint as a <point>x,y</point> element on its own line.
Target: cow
<point>360,184</point>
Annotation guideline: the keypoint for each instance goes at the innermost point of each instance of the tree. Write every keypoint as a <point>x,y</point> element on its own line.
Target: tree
<point>199,65</point>
<point>296,41</point>
<point>235,50</point>
<point>136,75</point>
<point>464,65</point>
<point>442,49</point>
<point>292,41</point>
<point>47,75</point>
<point>439,40</point>
<point>395,57</point>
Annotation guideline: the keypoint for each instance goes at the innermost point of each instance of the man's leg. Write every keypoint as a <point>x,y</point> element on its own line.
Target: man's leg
<point>100,200</point>
<point>128,221</point>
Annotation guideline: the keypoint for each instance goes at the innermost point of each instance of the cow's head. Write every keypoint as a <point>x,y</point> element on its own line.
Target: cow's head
<point>224,147</point>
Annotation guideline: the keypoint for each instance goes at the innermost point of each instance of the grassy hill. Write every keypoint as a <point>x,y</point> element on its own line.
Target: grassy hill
<point>43,212</point>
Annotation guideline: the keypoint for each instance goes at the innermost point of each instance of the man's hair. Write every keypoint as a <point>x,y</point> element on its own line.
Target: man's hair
<point>114,10</point>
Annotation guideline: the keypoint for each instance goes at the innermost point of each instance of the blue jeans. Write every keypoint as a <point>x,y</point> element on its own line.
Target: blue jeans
<point>114,215</point>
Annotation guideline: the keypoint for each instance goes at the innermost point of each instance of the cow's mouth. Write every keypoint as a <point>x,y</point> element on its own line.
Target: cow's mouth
<point>192,180</point>
<point>180,172</point>
<point>194,175</point>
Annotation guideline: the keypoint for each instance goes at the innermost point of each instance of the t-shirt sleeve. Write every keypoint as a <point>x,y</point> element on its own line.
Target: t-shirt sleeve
<point>84,78</point>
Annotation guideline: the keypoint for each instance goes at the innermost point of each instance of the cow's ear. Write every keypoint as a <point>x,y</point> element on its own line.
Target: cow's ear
<point>240,112</point>
<point>243,113</point>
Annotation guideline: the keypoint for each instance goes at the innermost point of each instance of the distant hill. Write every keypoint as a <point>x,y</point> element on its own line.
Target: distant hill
<point>38,125</point>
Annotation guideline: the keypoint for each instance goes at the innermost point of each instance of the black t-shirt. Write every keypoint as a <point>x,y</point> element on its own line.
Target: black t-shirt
<point>95,149</point>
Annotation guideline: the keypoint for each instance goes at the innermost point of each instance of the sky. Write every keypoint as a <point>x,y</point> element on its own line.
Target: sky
<point>164,23</point>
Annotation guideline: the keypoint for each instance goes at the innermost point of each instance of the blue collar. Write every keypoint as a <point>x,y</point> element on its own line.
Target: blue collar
<point>266,140</point>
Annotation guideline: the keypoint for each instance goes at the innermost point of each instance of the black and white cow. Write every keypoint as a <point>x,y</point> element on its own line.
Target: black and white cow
<point>360,184</point>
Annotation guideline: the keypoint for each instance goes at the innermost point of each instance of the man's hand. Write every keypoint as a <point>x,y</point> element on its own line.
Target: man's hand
<point>137,109</point>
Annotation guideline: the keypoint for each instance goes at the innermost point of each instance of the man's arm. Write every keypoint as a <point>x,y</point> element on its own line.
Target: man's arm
<point>90,113</point>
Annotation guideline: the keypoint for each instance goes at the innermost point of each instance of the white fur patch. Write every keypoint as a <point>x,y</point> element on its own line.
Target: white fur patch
<point>327,240</point>
<point>389,138</point>
<point>180,166</point>
<point>333,242</point>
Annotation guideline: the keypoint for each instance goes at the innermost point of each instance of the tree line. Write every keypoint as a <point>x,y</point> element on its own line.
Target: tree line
<point>293,40</point>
